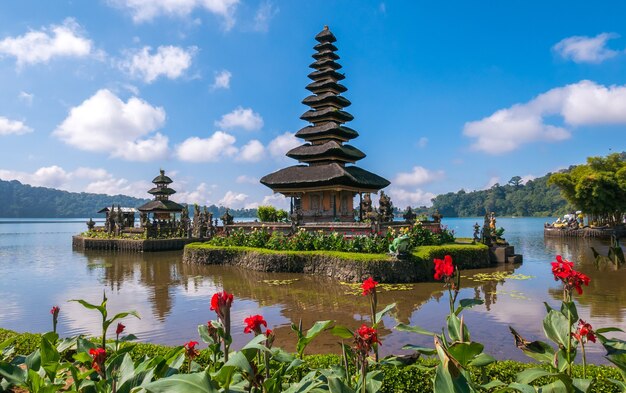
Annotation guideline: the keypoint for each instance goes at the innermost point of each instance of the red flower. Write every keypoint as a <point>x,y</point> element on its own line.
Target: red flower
<point>562,268</point>
<point>190,349</point>
<point>365,337</point>
<point>576,280</point>
<point>99,355</point>
<point>120,329</point>
<point>444,268</point>
<point>253,324</point>
<point>55,311</point>
<point>270,338</point>
<point>221,302</point>
<point>369,286</point>
<point>584,332</point>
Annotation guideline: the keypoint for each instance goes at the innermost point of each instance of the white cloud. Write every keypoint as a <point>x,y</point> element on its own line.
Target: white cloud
<point>253,151</point>
<point>210,149</point>
<point>168,61</point>
<point>113,186</point>
<point>241,118</point>
<point>422,142</point>
<point>51,176</point>
<point>222,80</point>
<point>26,98</point>
<point>492,182</point>
<point>277,200</point>
<point>583,49</point>
<point>579,104</point>
<point>241,179</point>
<point>280,145</point>
<point>40,46</point>
<point>266,11</point>
<point>105,123</point>
<point>200,195</point>
<point>418,176</point>
<point>91,173</point>
<point>146,10</point>
<point>527,178</point>
<point>233,200</point>
<point>13,127</point>
<point>401,197</point>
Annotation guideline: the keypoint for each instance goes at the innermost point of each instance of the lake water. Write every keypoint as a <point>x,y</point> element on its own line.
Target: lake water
<point>39,269</point>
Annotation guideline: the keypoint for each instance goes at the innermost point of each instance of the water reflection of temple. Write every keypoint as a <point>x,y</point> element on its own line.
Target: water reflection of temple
<point>308,298</point>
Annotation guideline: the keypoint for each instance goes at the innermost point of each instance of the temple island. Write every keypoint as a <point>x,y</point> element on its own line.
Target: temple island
<point>324,233</point>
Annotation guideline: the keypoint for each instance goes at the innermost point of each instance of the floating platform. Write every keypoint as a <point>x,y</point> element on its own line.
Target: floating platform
<point>131,245</point>
<point>587,232</point>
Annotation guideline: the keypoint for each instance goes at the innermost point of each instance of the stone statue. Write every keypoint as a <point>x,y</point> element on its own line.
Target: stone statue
<point>437,216</point>
<point>409,216</point>
<point>385,207</point>
<point>90,224</point>
<point>227,219</point>
<point>184,221</point>
<point>486,233</point>
<point>476,232</point>
<point>400,245</point>
<point>196,221</point>
<point>143,219</point>
<point>366,205</point>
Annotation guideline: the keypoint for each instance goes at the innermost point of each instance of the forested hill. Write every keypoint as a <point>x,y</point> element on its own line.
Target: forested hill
<point>19,200</point>
<point>534,198</point>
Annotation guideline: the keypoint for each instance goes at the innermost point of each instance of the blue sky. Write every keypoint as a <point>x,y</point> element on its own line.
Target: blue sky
<point>97,96</point>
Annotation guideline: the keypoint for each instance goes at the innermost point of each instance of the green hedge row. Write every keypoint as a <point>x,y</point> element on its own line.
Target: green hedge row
<point>397,379</point>
<point>465,256</point>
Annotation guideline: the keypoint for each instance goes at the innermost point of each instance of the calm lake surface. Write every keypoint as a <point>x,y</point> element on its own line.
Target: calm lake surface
<point>39,269</point>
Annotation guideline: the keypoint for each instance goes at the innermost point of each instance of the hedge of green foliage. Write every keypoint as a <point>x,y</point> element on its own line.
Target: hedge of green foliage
<point>415,378</point>
<point>464,255</point>
<point>303,240</point>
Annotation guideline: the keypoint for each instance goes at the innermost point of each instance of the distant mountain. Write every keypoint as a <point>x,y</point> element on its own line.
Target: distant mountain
<point>19,200</point>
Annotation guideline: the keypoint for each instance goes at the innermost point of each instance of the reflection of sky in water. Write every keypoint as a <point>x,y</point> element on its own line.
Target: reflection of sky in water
<point>38,269</point>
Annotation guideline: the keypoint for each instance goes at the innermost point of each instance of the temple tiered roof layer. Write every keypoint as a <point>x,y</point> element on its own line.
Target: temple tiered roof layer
<point>161,192</point>
<point>325,152</point>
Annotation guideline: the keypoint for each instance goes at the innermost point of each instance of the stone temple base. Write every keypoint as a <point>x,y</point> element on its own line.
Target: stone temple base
<point>149,245</point>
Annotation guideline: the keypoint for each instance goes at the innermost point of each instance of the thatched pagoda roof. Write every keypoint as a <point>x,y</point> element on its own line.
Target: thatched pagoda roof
<point>329,176</point>
<point>330,130</point>
<point>161,191</point>
<point>162,179</point>
<point>157,206</point>
<point>325,35</point>
<point>331,150</point>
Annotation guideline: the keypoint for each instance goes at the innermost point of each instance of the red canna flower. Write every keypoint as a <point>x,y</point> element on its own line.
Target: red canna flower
<point>120,329</point>
<point>365,337</point>
<point>576,280</point>
<point>444,268</point>
<point>369,286</point>
<point>584,332</point>
<point>562,268</point>
<point>221,302</point>
<point>55,311</point>
<point>99,355</point>
<point>253,324</point>
<point>270,338</point>
<point>190,349</point>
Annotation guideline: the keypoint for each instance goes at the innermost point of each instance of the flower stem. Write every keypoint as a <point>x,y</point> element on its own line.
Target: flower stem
<point>582,347</point>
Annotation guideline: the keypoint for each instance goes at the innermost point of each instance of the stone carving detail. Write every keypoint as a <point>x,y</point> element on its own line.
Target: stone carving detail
<point>385,207</point>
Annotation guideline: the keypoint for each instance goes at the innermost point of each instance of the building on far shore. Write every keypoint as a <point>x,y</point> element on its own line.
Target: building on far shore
<point>324,188</point>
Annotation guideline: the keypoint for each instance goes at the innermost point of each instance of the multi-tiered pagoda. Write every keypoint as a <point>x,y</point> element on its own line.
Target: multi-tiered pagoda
<point>161,207</point>
<point>324,188</point>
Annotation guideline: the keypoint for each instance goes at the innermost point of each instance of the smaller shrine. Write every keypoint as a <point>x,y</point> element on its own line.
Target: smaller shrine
<point>161,208</point>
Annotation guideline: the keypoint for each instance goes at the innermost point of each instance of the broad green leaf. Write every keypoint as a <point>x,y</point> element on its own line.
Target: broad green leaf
<point>183,383</point>
<point>423,350</point>
<point>582,385</point>
<point>7,342</point>
<point>336,385</point>
<point>203,332</point>
<point>467,303</point>
<point>413,329</point>
<point>537,350</point>
<point>482,360</point>
<point>317,328</point>
<point>465,352</point>
<point>342,332</point>
<point>529,375</point>
<point>569,308</point>
<point>457,329</point>
<point>33,360</point>
<point>237,361</point>
<point>66,344</point>
<point>524,388</point>
<point>308,383</point>
<point>555,387</point>
<point>14,374</point>
<point>101,308</point>
<point>383,312</point>
<point>557,328</point>
<point>374,381</point>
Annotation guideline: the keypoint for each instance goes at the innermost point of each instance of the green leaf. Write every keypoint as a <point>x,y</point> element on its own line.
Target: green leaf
<point>237,361</point>
<point>423,350</point>
<point>342,332</point>
<point>537,350</point>
<point>465,352</point>
<point>183,383</point>
<point>582,385</point>
<point>317,328</point>
<point>529,375</point>
<point>203,332</point>
<point>336,385</point>
<point>557,328</point>
<point>383,312</point>
<point>467,303</point>
<point>482,360</point>
<point>101,308</point>
<point>413,329</point>
<point>520,387</point>
<point>14,374</point>
<point>374,381</point>
<point>569,309</point>
<point>608,329</point>
<point>457,329</point>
